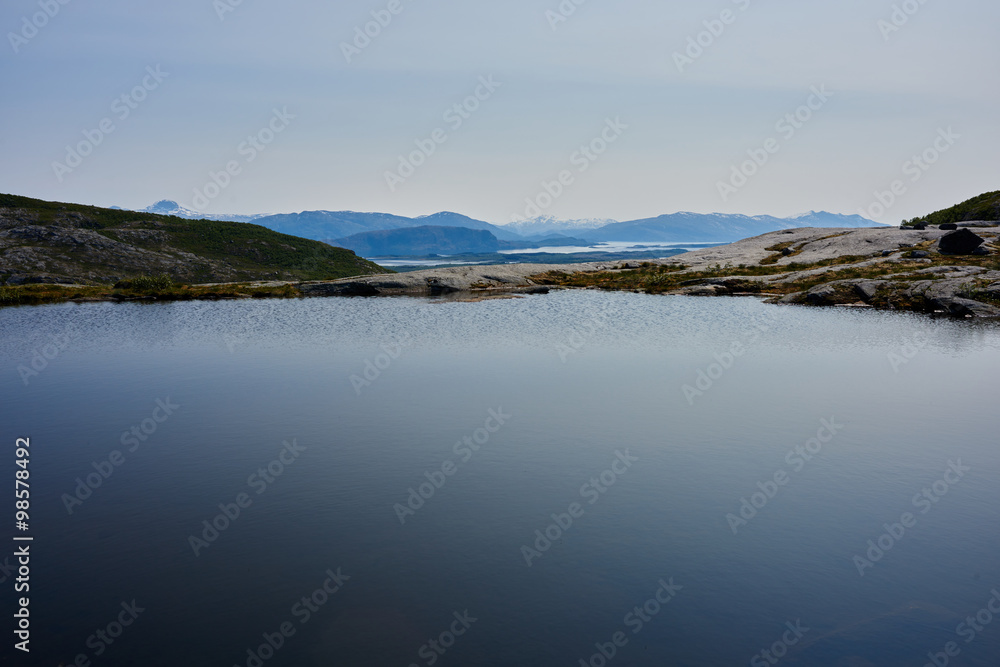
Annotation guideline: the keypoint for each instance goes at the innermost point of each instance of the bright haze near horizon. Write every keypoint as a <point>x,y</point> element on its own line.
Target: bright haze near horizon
<point>900,81</point>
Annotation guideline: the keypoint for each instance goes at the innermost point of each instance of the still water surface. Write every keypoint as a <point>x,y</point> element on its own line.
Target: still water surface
<point>598,434</point>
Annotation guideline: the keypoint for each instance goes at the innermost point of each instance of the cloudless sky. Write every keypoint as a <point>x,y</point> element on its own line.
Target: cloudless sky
<point>226,72</point>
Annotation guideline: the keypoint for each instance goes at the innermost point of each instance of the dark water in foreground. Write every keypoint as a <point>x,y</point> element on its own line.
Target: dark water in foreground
<point>826,415</point>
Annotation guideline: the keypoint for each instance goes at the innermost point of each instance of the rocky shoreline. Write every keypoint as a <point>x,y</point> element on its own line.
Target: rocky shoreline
<point>884,268</point>
<point>907,268</point>
<point>898,269</point>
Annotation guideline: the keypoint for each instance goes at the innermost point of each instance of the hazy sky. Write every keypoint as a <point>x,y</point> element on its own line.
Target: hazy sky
<point>200,78</point>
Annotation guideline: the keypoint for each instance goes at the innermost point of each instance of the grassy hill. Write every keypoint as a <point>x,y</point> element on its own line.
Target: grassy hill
<point>984,207</point>
<point>52,242</point>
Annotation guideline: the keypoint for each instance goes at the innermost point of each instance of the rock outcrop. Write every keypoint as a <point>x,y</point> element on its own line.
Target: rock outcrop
<point>923,280</point>
<point>509,278</point>
<point>961,242</point>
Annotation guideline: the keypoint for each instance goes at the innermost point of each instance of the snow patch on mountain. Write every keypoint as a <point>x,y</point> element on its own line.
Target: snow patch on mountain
<point>170,207</point>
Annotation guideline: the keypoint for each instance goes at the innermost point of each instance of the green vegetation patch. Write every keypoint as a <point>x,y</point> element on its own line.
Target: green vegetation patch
<point>782,250</point>
<point>146,283</point>
<point>984,207</point>
<point>248,251</point>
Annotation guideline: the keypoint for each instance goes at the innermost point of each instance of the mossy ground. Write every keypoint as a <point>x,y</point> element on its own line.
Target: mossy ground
<point>659,279</point>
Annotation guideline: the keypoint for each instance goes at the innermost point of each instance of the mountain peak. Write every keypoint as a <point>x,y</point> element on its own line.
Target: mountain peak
<point>171,207</point>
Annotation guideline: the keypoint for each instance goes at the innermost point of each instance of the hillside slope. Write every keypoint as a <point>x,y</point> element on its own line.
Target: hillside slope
<point>985,207</point>
<point>52,242</point>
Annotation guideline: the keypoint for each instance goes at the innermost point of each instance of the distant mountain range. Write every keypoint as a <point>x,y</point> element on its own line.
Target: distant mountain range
<point>321,225</point>
<point>547,225</point>
<point>673,228</point>
<point>427,240</point>
<point>170,207</point>
<point>437,240</point>
<point>717,227</point>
